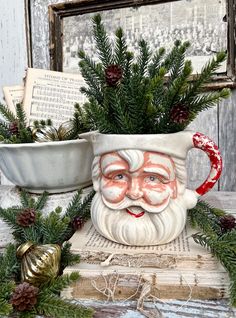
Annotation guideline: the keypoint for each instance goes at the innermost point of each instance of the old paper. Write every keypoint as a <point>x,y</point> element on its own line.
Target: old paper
<point>13,95</point>
<point>51,94</point>
<point>183,252</point>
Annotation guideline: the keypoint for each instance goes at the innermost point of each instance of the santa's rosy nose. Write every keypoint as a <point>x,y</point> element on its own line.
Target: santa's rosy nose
<point>134,191</point>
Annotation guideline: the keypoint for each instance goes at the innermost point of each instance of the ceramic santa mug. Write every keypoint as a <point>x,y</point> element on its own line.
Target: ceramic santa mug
<point>140,183</point>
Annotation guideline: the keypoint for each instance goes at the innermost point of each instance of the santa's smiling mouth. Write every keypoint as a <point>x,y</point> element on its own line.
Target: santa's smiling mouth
<point>135,211</point>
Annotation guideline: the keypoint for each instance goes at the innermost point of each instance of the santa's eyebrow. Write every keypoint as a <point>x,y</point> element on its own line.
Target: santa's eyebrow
<point>112,168</point>
<point>158,170</point>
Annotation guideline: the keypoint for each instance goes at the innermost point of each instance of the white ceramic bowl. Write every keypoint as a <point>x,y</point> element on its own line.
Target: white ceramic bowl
<point>55,167</point>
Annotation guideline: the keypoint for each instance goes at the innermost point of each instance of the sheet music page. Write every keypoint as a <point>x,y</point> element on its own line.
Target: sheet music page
<point>13,95</point>
<point>51,94</point>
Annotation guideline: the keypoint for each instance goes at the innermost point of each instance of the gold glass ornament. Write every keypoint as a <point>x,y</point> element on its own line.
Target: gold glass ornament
<point>40,263</point>
<point>50,133</point>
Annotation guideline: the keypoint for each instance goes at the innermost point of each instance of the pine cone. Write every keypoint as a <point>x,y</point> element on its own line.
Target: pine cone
<point>78,223</point>
<point>13,128</point>
<point>24,297</point>
<point>227,223</point>
<point>26,217</point>
<point>113,74</point>
<point>179,114</point>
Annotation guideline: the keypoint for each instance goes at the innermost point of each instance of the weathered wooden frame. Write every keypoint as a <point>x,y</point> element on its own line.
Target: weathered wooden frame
<point>59,11</point>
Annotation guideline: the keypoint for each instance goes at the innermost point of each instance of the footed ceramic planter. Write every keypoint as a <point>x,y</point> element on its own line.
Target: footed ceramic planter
<point>55,167</point>
<point>140,183</point>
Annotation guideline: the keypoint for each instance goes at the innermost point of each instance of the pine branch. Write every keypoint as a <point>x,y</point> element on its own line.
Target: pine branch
<point>7,113</point>
<point>143,58</point>
<point>205,76</point>
<point>102,42</point>
<point>154,66</point>
<point>9,265</point>
<point>120,48</point>
<point>53,306</point>
<point>95,69</point>
<point>54,228</point>
<point>178,65</point>
<point>5,308</point>
<point>21,116</point>
<point>24,198</point>
<point>42,200</point>
<point>56,285</point>
<point>93,84</point>
<point>207,100</point>
<point>222,246</point>
<point>67,258</point>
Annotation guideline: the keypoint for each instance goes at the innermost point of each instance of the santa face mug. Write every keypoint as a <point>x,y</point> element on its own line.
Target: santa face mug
<point>140,183</point>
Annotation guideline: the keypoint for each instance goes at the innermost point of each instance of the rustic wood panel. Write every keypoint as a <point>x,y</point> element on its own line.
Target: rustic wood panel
<point>13,51</point>
<point>166,309</point>
<point>40,32</point>
<point>197,162</point>
<point>227,142</point>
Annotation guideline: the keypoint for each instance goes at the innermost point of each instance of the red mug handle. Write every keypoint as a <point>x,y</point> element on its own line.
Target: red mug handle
<point>204,143</point>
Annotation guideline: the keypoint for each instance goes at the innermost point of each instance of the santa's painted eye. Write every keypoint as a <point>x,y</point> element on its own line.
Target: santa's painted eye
<point>119,176</point>
<point>152,179</point>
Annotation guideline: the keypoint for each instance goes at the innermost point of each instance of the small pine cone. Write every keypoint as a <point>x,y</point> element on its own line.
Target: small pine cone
<point>24,297</point>
<point>13,128</point>
<point>113,74</point>
<point>78,223</point>
<point>26,217</point>
<point>179,114</point>
<point>227,223</point>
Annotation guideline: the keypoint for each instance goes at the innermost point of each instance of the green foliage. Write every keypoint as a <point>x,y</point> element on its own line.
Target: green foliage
<point>52,306</point>
<point>52,228</point>
<point>21,132</point>
<point>9,267</point>
<point>206,218</point>
<point>152,87</point>
<point>67,258</point>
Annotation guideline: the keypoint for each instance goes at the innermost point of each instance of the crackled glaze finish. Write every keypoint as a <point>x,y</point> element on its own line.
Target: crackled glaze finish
<point>140,183</point>
<point>209,147</point>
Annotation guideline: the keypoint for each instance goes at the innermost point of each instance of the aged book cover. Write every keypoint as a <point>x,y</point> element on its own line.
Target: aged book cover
<point>51,94</point>
<point>13,95</point>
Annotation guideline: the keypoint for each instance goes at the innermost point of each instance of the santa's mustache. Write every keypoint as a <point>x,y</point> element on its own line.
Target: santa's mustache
<point>128,203</point>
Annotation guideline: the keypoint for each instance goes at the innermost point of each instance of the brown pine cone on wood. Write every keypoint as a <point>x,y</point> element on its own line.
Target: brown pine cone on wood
<point>24,297</point>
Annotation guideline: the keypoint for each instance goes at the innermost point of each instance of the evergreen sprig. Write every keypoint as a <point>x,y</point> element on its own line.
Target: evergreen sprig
<point>14,129</point>
<point>153,89</point>
<point>221,245</point>
<point>52,228</point>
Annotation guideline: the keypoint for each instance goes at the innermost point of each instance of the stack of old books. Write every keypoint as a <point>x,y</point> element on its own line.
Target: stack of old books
<point>181,269</point>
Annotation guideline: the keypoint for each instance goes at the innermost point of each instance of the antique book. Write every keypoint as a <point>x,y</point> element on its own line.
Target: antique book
<point>51,94</point>
<point>181,253</point>
<point>13,95</point>
<point>114,271</point>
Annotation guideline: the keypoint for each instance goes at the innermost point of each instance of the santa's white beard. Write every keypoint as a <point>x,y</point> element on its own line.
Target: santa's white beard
<point>149,229</point>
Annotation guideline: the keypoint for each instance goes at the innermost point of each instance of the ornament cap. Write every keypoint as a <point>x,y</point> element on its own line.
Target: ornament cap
<point>23,248</point>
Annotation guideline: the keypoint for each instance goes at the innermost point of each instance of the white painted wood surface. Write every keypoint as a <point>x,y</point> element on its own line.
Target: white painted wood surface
<point>13,51</point>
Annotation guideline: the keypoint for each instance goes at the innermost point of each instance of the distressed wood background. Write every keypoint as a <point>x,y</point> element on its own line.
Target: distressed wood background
<point>13,52</point>
<point>218,123</point>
